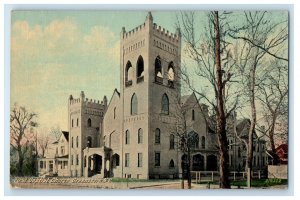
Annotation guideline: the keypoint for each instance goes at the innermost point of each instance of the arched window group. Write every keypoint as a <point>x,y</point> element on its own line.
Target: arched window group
<point>134,105</point>
<point>158,72</point>
<point>129,75</point>
<point>165,104</point>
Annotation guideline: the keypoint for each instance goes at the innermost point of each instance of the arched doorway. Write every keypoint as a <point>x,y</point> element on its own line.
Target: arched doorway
<point>212,163</point>
<point>198,162</point>
<point>94,164</point>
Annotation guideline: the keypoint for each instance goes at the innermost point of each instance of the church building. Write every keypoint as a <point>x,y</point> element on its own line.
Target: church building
<point>135,133</point>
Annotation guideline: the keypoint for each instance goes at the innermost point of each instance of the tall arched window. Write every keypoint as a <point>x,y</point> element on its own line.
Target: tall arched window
<point>72,142</point>
<point>158,70</point>
<point>239,152</point>
<point>128,71</point>
<point>134,105</point>
<point>172,141</point>
<point>140,67</point>
<point>89,122</point>
<point>165,104</point>
<point>89,142</point>
<point>72,123</point>
<point>171,164</point>
<point>77,122</point>
<point>127,137</point>
<point>115,113</point>
<point>157,136</point>
<point>140,136</point>
<point>193,114</point>
<point>203,142</point>
<point>193,140</point>
<point>171,72</point>
<point>77,141</point>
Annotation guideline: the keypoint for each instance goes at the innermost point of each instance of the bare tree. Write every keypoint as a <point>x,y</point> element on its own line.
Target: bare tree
<point>42,143</point>
<point>215,67</point>
<point>21,124</point>
<point>261,40</point>
<point>55,132</point>
<point>274,98</point>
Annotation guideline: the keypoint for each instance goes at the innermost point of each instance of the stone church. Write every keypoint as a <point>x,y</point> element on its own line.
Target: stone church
<point>135,134</point>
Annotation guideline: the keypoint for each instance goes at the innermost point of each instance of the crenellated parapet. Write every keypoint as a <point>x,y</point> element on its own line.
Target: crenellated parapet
<point>89,103</point>
<point>137,30</point>
<point>166,35</point>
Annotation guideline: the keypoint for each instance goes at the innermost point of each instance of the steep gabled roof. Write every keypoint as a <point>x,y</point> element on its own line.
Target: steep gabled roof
<point>116,92</point>
<point>184,99</point>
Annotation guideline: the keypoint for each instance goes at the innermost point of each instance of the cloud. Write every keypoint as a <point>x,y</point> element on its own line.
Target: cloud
<point>52,61</point>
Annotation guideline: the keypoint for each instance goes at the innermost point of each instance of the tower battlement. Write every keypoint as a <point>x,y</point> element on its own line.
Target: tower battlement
<point>166,34</point>
<point>92,103</point>
<point>133,32</point>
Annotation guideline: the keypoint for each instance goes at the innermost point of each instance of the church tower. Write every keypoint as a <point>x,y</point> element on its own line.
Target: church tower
<point>150,87</point>
<point>85,118</point>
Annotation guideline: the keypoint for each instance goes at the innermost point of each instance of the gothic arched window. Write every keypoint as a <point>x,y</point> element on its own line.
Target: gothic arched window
<point>128,70</point>
<point>193,140</point>
<point>158,70</point>
<point>165,104</point>
<point>140,136</point>
<point>171,71</point>
<point>134,105</point>
<point>89,122</point>
<point>127,137</point>
<point>171,164</point>
<point>140,67</point>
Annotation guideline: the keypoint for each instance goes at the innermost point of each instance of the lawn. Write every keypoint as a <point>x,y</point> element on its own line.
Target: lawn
<point>260,182</point>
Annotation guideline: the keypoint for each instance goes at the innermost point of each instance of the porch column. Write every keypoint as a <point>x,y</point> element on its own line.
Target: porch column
<point>86,167</point>
<point>205,161</point>
<point>103,167</point>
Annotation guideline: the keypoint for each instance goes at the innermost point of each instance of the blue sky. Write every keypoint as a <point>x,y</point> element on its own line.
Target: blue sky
<point>58,53</point>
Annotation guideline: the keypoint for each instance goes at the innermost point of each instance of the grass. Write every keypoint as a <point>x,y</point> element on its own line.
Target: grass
<point>260,182</point>
<point>120,180</point>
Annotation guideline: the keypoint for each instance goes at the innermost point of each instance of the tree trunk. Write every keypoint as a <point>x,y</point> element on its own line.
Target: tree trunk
<point>189,170</point>
<point>221,118</point>
<point>252,126</point>
<point>20,163</point>
<point>272,142</point>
